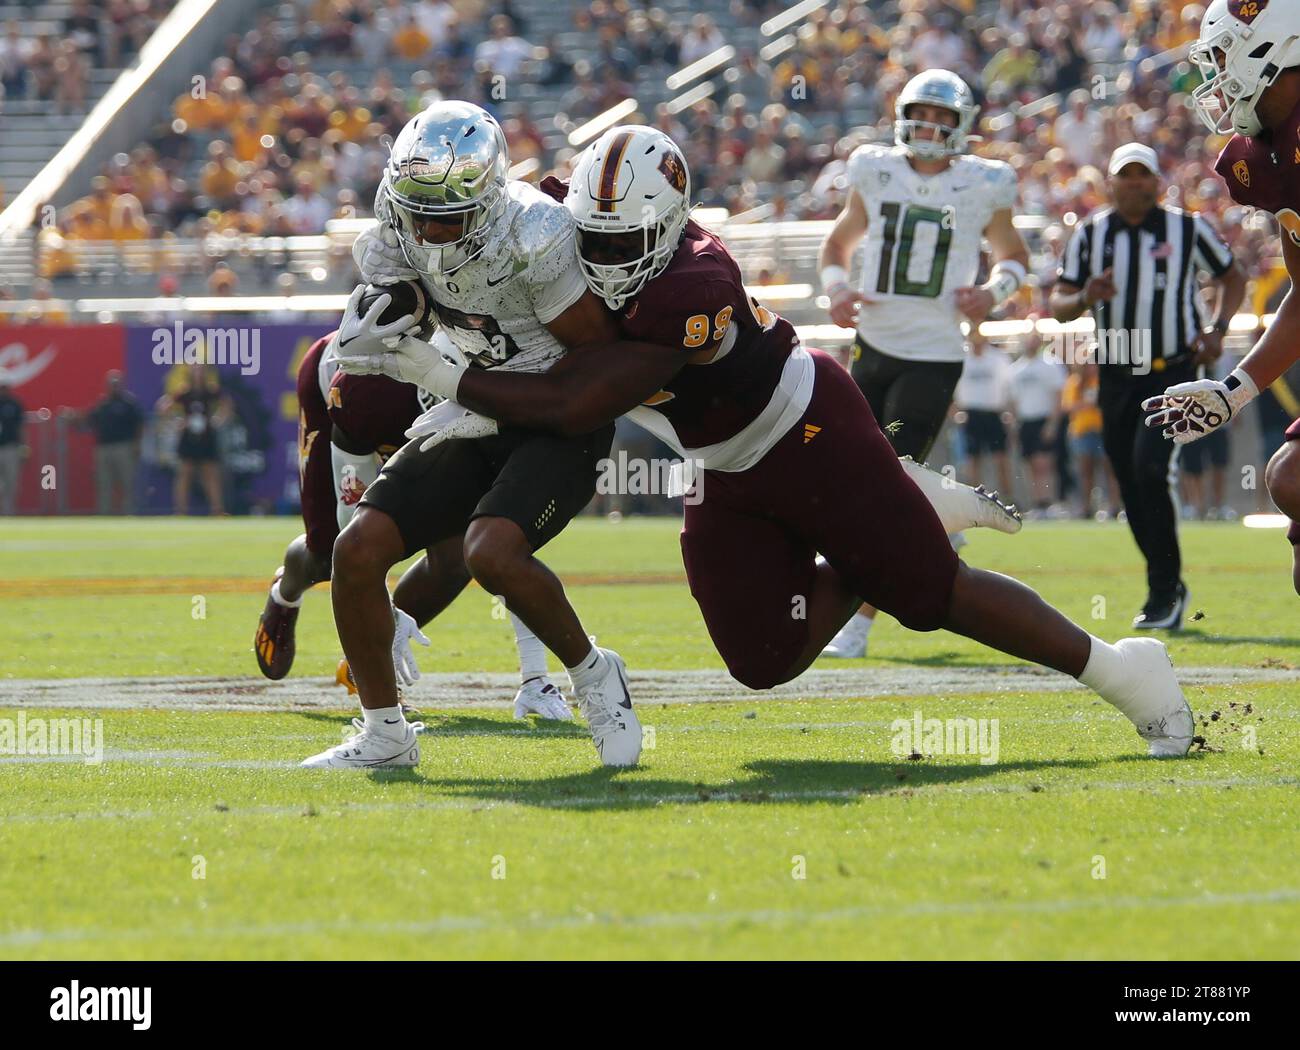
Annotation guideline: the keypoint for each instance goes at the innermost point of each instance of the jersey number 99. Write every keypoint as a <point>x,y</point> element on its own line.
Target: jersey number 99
<point>698,327</point>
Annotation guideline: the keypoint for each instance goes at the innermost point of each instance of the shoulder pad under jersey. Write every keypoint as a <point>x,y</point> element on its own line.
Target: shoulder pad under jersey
<point>540,237</point>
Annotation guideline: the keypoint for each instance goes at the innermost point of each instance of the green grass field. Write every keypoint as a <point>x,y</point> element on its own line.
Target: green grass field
<point>766,828</point>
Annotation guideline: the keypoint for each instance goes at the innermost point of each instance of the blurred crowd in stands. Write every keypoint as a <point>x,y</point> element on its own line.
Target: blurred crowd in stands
<point>55,64</point>
<point>288,128</point>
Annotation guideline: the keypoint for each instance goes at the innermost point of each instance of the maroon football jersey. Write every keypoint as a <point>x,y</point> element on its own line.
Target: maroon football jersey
<point>738,348</point>
<point>699,305</point>
<point>1264,172</point>
<point>373,412</point>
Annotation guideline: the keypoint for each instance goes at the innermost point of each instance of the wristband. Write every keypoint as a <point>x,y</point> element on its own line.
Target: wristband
<point>1006,279</point>
<point>833,277</point>
<point>1241,389</point>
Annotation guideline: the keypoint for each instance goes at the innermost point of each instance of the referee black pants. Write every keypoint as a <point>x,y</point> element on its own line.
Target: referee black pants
<point>1140,456</point>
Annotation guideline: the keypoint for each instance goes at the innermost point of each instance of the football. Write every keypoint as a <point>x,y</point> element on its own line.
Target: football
<point>408,297</point>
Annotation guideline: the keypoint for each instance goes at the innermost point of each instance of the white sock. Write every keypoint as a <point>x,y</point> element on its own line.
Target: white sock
<point>279,600</point>
<point>1104,672</point>
<point>385,721</point>
<point>862,622</point>
<point>590,670</point>
<point>532,653</point>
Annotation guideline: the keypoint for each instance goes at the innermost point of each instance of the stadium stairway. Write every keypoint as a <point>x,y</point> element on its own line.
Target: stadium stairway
<point>34,130</point>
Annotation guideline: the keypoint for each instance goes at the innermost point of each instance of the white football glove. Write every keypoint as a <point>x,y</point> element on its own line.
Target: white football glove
<point>449,420</point>
<point>406,631</point>
<point>1189,411</point>
<point>379,256</point>
<point>361,334</point>
<point>406,359</point>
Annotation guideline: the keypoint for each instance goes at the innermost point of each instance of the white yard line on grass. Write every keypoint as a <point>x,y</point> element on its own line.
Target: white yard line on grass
<point>658,920</point>
<point>748,795</point>
<point>470,690</point>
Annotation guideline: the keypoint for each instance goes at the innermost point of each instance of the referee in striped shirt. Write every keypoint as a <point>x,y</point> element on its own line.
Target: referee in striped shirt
<point>1135,265</point>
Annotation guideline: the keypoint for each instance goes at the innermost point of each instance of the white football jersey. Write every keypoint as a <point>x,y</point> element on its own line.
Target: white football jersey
<point>924,234</point>
<point>495,308</point>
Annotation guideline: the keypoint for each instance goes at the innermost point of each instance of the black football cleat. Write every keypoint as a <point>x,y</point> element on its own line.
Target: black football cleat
<point>273,643</point>
<point>1163,612</point>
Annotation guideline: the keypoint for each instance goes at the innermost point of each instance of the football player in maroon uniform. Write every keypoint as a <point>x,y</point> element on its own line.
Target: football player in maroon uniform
<point>337,447</point>
<point>347,426</point>
<point>791,462</point>
<point>1249,55</point>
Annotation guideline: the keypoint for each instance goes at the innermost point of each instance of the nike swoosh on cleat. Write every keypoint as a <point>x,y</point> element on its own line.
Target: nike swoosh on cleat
<point>381,761</point>
<point>391,721</point>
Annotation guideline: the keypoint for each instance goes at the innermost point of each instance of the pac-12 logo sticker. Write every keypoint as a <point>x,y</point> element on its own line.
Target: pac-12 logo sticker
<point>674,170</point>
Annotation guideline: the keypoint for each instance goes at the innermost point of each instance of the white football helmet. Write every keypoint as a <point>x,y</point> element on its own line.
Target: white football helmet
<point>936,87</point>
<point>446,168</point>
<point>631,196</point>
<point>1243,46</point>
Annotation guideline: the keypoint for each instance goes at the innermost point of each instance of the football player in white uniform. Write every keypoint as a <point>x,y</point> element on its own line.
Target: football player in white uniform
<point>348,426</point>
<point>499,261</point>
<point>925,206</point>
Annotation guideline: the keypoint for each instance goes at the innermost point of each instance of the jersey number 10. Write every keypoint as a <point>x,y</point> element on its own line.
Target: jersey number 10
<point>896,250</point>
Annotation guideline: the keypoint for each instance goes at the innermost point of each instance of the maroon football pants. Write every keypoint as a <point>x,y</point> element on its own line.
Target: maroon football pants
<point>1293,434</point>
<point>832,486</point>
<point>315,469</point>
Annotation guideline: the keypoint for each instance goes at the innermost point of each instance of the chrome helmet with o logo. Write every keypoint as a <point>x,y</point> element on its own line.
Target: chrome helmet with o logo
<point>445,185</point>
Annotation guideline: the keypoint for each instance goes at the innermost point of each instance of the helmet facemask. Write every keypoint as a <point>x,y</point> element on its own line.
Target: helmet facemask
<point>619,260</point>
<point>949,143</point>
<point>1219,97</point>
<point>1237,63</point>
<point>445,185</point>
<point>422,224</point>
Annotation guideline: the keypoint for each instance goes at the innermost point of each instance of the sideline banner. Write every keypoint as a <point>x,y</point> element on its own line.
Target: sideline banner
<point>257,367</point>
<point>49,368</point>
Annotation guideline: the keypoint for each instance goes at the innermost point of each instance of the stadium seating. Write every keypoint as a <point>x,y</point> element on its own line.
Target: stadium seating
<point>33,122</point>
<point>851,58</point>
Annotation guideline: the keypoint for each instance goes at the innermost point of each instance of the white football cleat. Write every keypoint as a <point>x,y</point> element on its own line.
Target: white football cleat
<point>1152,698</point>
<point>368,750</point>
<point>960,506</point>
<point>851,642</point>
<point>539,696</point>
<point>607,707</point>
